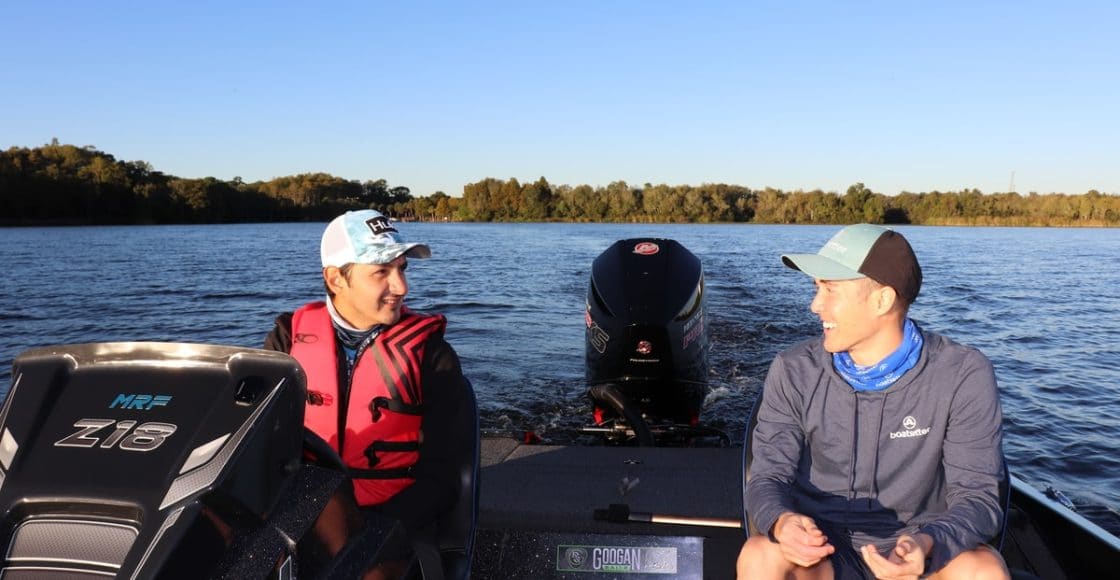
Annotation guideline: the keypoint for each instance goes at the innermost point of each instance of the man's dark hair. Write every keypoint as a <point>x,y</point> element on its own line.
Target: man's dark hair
<point>345,270</point>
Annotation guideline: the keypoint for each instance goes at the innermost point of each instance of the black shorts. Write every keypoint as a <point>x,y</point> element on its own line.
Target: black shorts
<point>847,561</point>
<point>848,564</point>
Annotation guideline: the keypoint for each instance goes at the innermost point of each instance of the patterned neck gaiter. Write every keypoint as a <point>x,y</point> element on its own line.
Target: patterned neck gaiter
<point>884,374</point>
<point>353,340</point>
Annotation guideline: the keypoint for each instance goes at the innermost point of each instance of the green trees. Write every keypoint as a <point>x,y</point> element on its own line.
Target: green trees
<point>535,198</point>
<point>489,200</point>
<point>65,184</point>
<point>480,200</point>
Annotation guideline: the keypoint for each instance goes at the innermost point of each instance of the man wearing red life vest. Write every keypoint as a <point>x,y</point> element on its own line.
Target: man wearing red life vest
<point>383,384</point>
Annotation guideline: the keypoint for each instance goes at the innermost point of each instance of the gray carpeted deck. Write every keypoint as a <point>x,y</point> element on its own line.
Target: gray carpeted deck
<point>531,493</point>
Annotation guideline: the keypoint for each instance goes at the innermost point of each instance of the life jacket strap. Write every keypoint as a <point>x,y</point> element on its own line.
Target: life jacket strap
<point>398,473</point>
<point>398,446</point>
<point>393,405</point>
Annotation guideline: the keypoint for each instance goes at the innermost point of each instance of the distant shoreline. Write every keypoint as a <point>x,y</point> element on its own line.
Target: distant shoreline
<point>64,185</point>
<point>66,223</point>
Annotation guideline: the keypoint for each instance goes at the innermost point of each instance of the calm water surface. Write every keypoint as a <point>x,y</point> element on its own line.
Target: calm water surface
<point>1043,304</point>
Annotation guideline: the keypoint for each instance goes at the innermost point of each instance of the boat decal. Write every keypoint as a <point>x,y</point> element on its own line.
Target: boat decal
<point>646,248</point>
<point>617,559</point>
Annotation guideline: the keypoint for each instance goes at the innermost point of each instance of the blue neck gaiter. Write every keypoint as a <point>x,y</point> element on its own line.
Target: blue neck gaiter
<point>884,374</point>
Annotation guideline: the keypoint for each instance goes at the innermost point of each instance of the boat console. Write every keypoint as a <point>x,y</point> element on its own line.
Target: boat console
<point>154,460</point>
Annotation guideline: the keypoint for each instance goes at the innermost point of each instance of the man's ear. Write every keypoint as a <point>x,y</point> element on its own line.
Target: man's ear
<point>885,299</point>
<point>333,278</point>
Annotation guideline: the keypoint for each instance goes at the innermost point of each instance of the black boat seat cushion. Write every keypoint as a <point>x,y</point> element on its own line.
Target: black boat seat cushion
<point>449,555</point>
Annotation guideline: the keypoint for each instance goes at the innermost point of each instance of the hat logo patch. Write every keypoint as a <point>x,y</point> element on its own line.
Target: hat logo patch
<point>838,248</point>
<point>380,225</point>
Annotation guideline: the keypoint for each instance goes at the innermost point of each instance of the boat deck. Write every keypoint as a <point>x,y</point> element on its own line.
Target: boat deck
<point>537,499</point>
<point>537,517</point>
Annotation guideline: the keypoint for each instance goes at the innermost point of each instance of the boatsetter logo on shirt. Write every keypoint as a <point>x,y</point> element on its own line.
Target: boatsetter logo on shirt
<point>910,429</point>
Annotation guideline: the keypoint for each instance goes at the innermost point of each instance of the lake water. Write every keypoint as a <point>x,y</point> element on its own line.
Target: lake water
<point>1043,304</point>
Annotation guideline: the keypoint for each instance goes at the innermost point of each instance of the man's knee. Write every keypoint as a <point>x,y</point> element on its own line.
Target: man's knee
<point>753,549</point>
<point>761,558</point>
<point>980,563</point>
<point>758,555</point>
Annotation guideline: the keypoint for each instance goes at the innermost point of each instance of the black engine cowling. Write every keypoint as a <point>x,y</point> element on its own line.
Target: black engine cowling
<point>646,340</point>
<point>159,460</point>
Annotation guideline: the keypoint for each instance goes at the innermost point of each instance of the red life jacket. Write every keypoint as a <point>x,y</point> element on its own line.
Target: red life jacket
<point>381,425</point>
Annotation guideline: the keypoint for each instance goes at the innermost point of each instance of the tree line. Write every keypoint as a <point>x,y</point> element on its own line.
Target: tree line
<point>508,200</point>
<point>66,184</point>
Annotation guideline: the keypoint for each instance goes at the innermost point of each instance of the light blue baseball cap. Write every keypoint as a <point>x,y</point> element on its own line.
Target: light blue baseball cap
<point>864,251</point>
<point>366,237</point>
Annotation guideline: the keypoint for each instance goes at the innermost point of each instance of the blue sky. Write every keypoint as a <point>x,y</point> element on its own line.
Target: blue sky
<point>898,94</point>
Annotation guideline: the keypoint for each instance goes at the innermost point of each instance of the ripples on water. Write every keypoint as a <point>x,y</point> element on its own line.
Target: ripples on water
<point>1043,304</point>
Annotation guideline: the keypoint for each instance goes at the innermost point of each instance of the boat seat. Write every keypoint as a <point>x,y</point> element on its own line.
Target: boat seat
<point>748,456</point>
<point>1005,503</point>
<point>449,554</point>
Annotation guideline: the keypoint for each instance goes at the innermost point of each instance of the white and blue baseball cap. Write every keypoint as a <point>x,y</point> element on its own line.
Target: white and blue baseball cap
<point>366,237</point>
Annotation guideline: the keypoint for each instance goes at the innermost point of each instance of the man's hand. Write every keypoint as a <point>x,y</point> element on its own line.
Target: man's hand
<point>801,541</point>
<point>906,561</point>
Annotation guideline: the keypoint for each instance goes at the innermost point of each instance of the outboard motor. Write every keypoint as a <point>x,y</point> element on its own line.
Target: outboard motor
<point>647,343</point>
<point>159,460</point>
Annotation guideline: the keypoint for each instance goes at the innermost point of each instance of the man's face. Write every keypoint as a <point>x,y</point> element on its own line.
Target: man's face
<point>373,294</point>
<point>849,319</point>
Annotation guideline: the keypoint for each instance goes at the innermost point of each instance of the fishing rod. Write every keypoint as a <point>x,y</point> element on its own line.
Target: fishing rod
<point>620,513</point>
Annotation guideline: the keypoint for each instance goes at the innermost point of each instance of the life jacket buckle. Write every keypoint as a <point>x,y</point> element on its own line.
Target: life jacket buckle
<point>375,407</point>
<point>316,398</point>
